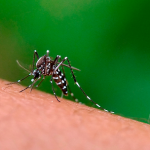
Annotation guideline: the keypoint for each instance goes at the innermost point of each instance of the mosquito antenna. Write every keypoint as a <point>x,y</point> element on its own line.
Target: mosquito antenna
<point>22,66</point>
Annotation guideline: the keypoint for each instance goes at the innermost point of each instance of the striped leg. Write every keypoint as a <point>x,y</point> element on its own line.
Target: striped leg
<point>20,79</point>
<point>75,99</point>
<point>31,85</point>
<point>66,58</point>
<point>40,82</point>
<point>34,81</point>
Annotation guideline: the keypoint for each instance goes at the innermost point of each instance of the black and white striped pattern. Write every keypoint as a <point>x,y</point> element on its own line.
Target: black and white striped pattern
<point>60,80</point>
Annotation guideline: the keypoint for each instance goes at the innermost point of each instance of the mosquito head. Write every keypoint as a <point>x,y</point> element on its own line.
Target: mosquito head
<point>36,73</point>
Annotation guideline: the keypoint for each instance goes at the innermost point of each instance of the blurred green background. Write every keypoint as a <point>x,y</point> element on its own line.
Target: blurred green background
<point>109,40</point>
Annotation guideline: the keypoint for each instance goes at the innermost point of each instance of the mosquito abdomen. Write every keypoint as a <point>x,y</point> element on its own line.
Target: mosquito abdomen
<point>60,80</point>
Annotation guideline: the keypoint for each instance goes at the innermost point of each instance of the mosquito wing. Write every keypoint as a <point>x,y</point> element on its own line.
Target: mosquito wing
<point>69,67</point>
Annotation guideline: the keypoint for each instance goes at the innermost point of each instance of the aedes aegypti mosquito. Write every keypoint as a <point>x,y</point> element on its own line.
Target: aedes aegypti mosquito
<point>47,67</point>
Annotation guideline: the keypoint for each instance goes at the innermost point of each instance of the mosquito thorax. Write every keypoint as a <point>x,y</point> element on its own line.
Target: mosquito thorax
<point>41,62</point>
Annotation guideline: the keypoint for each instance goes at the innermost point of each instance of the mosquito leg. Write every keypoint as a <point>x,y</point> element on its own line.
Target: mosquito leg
<point>40,82</point>
<point>20,79</point>
<point>53,89</point>
<point>61,64</point>
<point>35,53</point>
<point>75,99</point>
<point>25,88</point>
<point>45,65</point>
<point>34,81</point>
<point>56,59</point>
<point>66,58</point>
<point>62,95</point>
<point>47,53</point>
<point>68,67</point>
<point>31,85</point>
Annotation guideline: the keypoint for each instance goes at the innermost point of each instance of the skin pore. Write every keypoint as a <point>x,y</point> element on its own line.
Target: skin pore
<point>36,121</point>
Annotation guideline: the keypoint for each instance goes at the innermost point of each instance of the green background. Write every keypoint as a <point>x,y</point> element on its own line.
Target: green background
<point>109,40</point>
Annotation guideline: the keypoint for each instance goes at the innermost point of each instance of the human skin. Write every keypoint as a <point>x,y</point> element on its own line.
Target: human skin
<point>37,121</point>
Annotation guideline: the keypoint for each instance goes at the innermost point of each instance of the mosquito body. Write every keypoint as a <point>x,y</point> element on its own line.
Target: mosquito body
<point>47,67</point>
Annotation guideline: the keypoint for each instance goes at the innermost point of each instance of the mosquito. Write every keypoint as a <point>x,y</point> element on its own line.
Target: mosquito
<point>45,66</point>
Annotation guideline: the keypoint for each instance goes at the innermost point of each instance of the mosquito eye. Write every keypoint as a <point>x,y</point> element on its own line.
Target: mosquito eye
<point>36,75</point>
